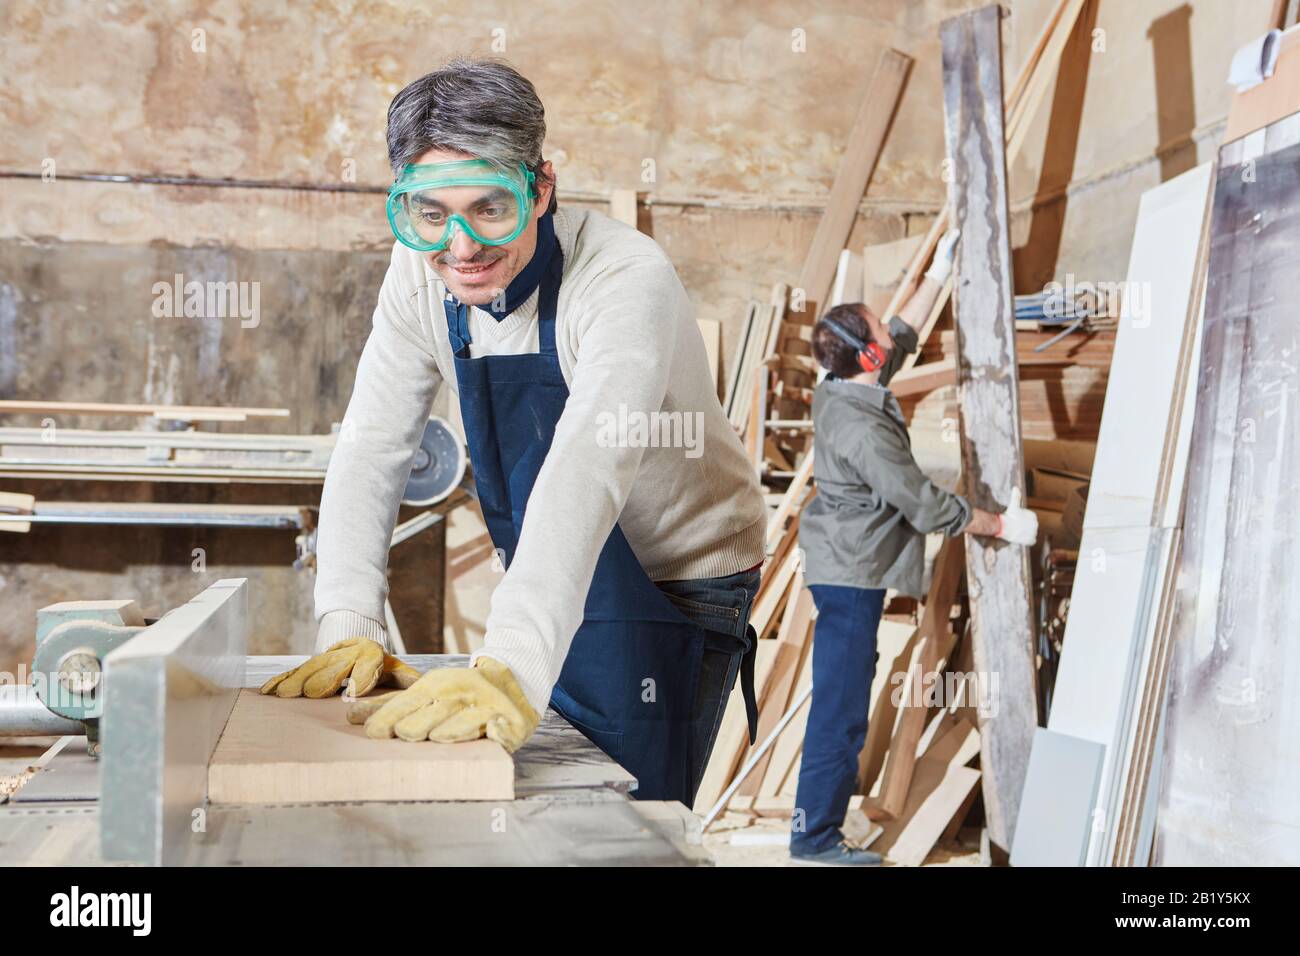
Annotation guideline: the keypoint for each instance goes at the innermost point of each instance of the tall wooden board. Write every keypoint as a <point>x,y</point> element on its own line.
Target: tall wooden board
<point>998,574</point>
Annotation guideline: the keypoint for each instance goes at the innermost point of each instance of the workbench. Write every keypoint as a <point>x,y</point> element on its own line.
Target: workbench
<point>572,804</point>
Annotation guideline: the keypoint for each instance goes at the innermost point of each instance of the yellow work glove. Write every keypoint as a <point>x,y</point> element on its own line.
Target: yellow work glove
<point>358,658</point>
<point>453,704</point>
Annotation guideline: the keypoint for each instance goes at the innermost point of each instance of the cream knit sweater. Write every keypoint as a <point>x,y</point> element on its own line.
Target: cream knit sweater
<point>689,504</point>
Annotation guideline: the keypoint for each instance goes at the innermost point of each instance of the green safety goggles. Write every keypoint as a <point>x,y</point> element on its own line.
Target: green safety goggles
<point>430,201</point>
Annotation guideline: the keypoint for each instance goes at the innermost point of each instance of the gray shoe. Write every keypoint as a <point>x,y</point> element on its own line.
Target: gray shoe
<point>841,855</point>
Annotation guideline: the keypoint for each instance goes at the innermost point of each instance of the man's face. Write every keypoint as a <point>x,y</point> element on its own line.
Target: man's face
<point>474,273</point>
<point>879,330</point>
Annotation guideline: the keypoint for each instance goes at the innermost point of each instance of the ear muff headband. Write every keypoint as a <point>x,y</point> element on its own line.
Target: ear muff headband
<point>871,357</point>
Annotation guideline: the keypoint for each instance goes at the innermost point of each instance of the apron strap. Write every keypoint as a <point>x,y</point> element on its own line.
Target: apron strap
<point>747,683</point>
<point>548,295</point>
<point>457,314</point>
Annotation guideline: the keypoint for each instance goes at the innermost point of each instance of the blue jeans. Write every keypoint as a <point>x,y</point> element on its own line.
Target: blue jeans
<point>721,606</point>
<point>844,662</point>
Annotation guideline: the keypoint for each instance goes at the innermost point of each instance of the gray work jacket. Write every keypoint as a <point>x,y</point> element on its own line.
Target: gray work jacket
<point>866,525</point>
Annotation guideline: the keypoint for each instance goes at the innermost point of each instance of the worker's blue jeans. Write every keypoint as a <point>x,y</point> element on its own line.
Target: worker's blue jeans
<point>843,663</point>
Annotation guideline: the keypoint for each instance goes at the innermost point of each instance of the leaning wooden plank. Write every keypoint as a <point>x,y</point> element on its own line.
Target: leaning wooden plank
<point>785,752</point>
<point>865,143</point>
<point>623,206</point>
<point>711,332</point>
<point>998,573</point>
<point>734,375</point>
<point>920,379</point>
<point>896,647</point>
<point>771,597</point>
<point>848,279</point>
<point>939,639</point>
<point>1020,117</point>
<point>883,267</point>
<point>943,782</point>
<point>791,499</point>
<point>304,751</point>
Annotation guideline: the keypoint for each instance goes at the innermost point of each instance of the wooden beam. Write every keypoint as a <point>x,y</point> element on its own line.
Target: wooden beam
<point>866,140</point>
<point>920,379</point>
<point>999,574</point>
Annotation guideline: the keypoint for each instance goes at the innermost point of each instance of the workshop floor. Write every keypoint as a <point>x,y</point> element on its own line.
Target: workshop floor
<point>742,840</point>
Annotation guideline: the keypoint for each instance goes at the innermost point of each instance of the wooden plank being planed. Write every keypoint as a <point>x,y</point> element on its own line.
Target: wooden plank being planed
<point>297,750</point>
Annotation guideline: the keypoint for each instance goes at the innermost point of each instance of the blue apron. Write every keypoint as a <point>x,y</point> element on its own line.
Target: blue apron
<point>630,679</point>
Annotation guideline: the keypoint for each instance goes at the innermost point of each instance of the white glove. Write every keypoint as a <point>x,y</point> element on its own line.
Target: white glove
<point>1017,525</point>
<point>944,252</point>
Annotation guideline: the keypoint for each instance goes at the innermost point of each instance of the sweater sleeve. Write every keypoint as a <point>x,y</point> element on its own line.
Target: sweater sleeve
<point>396,382</point>
<point>626,335</point>
<point>887,466</point>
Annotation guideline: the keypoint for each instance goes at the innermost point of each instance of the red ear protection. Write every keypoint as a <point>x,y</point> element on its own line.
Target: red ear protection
<point>871,357</point>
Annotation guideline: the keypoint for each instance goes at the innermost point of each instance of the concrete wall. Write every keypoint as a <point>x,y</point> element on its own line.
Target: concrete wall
<point>742,109</point>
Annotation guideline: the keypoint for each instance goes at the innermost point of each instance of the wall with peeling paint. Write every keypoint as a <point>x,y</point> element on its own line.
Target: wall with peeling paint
<point>742,108</point>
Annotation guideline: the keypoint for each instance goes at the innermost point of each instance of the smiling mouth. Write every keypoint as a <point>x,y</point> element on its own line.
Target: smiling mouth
<point>469,270</point>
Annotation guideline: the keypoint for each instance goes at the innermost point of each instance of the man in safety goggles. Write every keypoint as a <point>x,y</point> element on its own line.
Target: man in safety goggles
<point>631,523</point>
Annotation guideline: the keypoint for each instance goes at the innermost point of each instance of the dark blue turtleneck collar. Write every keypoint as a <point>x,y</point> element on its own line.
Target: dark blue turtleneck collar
<point>524,284</point>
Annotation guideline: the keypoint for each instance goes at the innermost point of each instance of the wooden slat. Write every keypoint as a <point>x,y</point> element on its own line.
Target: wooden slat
<point>896,644</point>
<point>943,785</point>
<point>920,379</point>
<point>999,574</point>
<point>861,152</point>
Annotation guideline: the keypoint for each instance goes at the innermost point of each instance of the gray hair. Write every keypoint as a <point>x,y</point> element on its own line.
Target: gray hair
<point>483,107</point>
